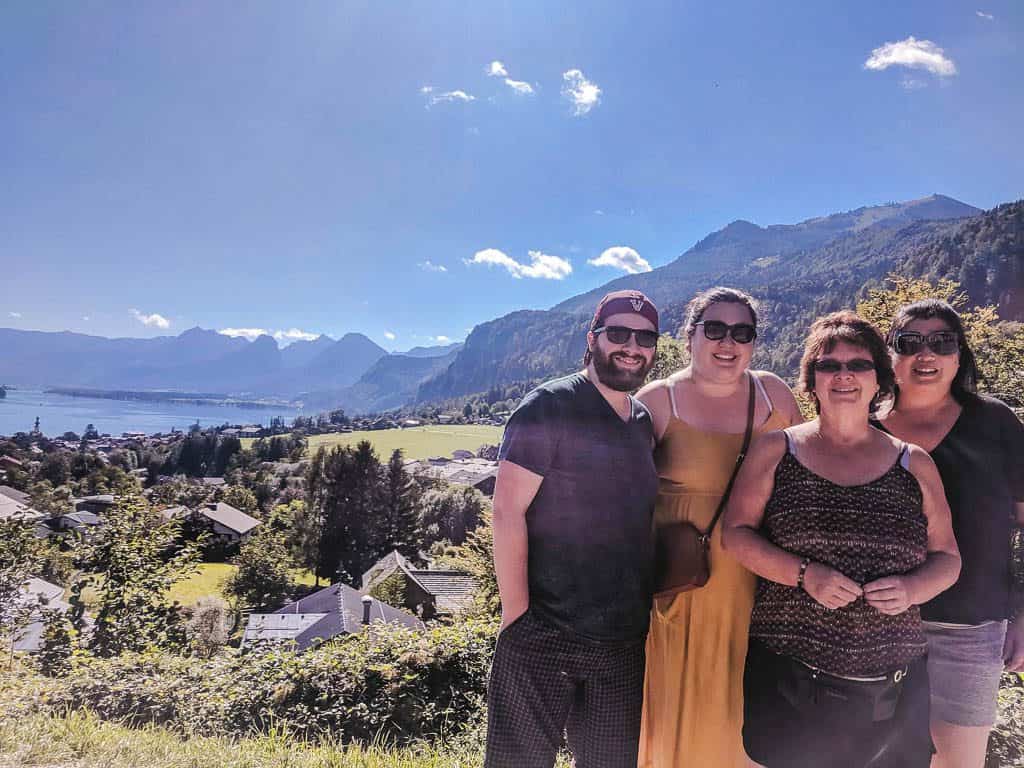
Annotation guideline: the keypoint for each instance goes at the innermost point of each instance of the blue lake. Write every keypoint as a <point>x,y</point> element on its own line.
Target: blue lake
<point>61,413</point>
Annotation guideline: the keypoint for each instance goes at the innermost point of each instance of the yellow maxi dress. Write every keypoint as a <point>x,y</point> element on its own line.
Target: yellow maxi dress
<point>697,645</point>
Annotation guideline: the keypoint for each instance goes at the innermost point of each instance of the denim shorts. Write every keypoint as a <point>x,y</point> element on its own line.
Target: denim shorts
<point>964,666</point>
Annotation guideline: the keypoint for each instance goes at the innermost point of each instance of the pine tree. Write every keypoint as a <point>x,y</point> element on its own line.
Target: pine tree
<point>400,508</point>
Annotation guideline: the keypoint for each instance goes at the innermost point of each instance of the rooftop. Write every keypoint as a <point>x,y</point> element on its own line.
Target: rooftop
<point>233,519</point>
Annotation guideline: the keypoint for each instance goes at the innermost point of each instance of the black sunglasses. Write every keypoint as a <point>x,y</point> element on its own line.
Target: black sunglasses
<point>742,333</point>
<point>940,342</point>
<point>857,365</point>
<point>619,334</point>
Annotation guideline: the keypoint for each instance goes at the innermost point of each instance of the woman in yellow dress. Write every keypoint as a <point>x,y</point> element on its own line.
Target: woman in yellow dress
<point>697,645</point>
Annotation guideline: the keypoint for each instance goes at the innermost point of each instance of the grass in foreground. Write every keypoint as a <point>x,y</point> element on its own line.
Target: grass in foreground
<point>81,740</point>
<point>415,443</point>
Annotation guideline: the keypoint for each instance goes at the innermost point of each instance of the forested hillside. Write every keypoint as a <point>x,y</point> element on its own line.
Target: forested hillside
<point>851,253</point>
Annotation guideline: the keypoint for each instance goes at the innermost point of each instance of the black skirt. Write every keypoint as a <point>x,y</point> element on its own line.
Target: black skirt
<point>797,720</point>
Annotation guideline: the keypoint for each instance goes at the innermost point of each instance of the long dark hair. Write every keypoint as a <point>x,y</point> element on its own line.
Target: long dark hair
<point>964,387</point>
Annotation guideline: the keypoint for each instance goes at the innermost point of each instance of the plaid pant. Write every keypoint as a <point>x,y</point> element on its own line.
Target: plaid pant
<point>545,682</point>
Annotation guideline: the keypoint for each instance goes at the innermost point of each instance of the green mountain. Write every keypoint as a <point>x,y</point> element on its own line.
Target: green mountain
<point>796,271</point>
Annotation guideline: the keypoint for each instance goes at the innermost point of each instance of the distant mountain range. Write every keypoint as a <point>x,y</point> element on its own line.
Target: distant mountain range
<point>797,271</point>
<point>202,360</point>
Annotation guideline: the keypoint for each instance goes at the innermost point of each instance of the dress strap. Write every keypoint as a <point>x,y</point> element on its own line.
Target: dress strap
<point>790,448</point>
<point>670,386</point>
<point>764,393</point>
<point>905,456</point>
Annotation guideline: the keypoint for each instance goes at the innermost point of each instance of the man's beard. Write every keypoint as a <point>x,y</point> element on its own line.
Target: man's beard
<point>617,378</point>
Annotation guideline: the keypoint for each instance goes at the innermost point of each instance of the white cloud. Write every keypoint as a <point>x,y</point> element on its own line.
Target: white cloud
<point>911,84</point>
<point>542,265</point>
<point>15,315</point>
<point>85,317</point>
<point>389,336</point>
<point>913,54</point>
<point>983,15</point>
<point>498,69</point>
<point>442,340</point>
<point>294,334</point>
<point>622,257</point>
<point>584,94</point>
<point>153,321</point>
<point>519,86</point>
<point>250,334</point>
<point>598,212</point>
<point>447,96</point>
<point>428,266</point>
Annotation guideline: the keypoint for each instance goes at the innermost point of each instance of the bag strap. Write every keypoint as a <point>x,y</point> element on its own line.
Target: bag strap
<point>739,459</point>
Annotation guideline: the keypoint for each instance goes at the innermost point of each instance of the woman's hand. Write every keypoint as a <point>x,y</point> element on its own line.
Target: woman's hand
<point>829,587</point>
<point>1013,647</point>
<point>889,595</point>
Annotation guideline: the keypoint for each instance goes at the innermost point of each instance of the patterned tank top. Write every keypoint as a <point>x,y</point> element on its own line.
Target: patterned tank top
<point>864,531</point>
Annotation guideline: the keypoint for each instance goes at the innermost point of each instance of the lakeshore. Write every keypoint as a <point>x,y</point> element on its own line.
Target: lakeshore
<point>59,413</point>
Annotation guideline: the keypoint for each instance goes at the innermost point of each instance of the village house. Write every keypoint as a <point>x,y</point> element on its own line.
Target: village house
<point>226,524</point>
<point>82,522</point>
<point>331,612</point>
<point>14,505</point>
<point>38,595</point>
<point>98,505</point>
<point>430,593</point>
<point>481,474</point>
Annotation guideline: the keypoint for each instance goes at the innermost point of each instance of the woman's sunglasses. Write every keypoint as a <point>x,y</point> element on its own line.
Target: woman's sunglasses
<point>940,342</point>
<point>742,333</point>
<point>619,334</point>
<point>857,365</point>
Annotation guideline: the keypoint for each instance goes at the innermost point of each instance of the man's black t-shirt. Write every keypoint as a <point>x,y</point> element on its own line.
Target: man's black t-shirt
<point>590,566</point>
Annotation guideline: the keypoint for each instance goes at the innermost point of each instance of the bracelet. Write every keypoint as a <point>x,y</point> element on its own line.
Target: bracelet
<point>803,570</point>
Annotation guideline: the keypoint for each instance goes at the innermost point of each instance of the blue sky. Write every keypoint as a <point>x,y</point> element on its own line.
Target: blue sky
<point>314,165</point>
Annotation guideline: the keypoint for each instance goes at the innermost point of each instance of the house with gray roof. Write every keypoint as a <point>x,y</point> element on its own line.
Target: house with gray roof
<point>226,523</point>
<point>429,592</point>
<point>38,595</point>
<point>329,613</point>
<point>13,493</point>
<point>13,509</point>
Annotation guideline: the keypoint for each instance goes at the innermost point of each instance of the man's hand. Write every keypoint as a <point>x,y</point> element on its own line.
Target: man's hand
<point>1013,647</point>
<point>509,617</point>
<point>889,595</point>
<point>829,587</point>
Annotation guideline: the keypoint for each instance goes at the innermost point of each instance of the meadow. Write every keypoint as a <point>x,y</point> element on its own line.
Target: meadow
<point>414,442</point>
<point>206,582</point>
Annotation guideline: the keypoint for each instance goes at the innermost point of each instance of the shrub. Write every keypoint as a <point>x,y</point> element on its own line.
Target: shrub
<point>208,626</point>
<point>1006,745</point>
<point>389,684</point>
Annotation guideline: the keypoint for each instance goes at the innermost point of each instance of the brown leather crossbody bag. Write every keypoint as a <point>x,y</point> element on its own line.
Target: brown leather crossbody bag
<point>682,551</point>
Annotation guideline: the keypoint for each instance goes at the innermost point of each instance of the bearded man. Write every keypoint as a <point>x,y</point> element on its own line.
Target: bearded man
<point>573,552</point>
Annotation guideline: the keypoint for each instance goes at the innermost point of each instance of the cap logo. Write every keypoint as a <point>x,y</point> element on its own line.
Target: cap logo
<point>638,304</point>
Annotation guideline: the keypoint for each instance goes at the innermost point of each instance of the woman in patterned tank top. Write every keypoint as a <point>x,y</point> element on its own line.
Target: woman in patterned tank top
<point>850,532</point>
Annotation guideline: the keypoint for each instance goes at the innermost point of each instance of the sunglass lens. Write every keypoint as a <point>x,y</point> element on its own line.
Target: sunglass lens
<point>743,334</point>
<point>827,366</point>
<point>647,339</point>
<point>860,366</point>
<point>715,330</point>
<point>908,344</point>
<point>944,343</point>
<point>617,335</point>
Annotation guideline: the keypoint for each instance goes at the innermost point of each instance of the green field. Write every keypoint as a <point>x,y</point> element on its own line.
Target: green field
<point>206,582</point>
<point>416,442</point>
